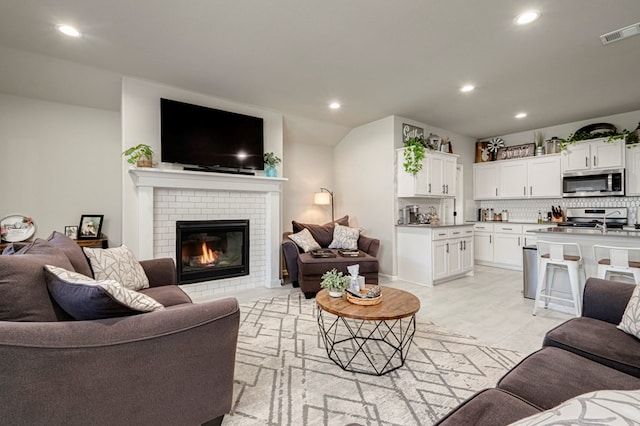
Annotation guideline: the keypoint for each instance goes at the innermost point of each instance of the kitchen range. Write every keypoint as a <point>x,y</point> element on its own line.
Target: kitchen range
<point>592,217</point>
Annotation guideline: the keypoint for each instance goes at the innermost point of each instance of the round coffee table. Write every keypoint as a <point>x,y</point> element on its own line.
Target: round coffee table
<point>368,339</point>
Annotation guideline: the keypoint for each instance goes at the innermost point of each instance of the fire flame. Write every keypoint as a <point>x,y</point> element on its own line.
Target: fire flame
<point>208,255</point>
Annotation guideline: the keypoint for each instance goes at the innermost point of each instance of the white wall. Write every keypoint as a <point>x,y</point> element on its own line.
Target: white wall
<point>364,184</point>
<point>141,124</point>
<point>60,161</point>
<point>308,148</point>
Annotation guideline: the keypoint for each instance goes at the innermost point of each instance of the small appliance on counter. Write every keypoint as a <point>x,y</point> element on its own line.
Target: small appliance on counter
<point>409,214</point>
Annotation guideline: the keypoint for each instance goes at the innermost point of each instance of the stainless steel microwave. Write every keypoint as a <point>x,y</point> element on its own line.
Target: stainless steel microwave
<point>600,183</point>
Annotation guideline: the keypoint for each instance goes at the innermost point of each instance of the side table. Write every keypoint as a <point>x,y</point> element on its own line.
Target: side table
<point>368,339</point>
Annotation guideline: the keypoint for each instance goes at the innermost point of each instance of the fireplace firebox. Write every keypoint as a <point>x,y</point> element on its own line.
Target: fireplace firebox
<point>211,249</point>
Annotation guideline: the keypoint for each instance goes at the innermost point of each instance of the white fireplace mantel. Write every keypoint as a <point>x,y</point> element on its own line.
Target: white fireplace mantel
<point>147,179</point>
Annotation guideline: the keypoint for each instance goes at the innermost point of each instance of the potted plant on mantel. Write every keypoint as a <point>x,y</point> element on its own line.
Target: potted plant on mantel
<point>271,160</point>
<point>140,155</point>
<point>414,153</point>
<point>334,282</point>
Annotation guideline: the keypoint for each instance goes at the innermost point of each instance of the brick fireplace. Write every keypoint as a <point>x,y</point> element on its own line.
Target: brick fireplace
<point>166,196</point>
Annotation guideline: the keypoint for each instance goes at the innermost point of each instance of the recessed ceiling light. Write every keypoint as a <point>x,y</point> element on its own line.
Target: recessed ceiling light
<point>69,30</point>
<point>334,105</point>
<point>467,88</point>
<point>521,115</point>
<point>527,17</point>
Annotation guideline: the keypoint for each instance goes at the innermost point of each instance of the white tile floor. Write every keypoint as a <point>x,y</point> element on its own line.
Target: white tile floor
<point>488,305</point>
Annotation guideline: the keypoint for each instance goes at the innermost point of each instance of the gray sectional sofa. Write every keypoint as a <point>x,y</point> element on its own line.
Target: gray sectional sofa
<point>581,355</point>
<point>169,367</point>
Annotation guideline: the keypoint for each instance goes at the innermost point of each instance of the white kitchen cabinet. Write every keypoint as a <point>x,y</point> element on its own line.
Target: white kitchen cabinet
<point>437,179</point>
<point>594,155</point>
<point>440,259</point>
<point>534,177</point>
<point>411,185</point>
<point>633,170</point>
<point>500,244</point>
<point>429,256</point>
<point>530,238</point>
<point>483,242</point>
<point>544,177</point>
<point>507,246</point>
<point>485,181</point>
<point>512,176</point>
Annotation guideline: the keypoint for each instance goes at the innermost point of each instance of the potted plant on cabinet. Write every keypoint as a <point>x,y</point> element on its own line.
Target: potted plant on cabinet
<point>271,160</point>
<point>140,155</point>
<point>414,153</point>
<point>334,282</point>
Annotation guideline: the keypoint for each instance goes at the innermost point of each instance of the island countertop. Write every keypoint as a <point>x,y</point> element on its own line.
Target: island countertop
<point>590,232</point>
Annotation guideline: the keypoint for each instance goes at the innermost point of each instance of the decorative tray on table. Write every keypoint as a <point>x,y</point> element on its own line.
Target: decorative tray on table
<point>322,253</point>
<point>366,297</point>
<point>351,253</point>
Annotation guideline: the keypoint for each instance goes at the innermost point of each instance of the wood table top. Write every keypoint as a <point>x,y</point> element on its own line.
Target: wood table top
<point>395,304</point>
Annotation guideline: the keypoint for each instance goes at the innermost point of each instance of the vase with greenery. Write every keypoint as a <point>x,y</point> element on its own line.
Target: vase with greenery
<point>414,154</point>
<point>140,155</point>
<point>271,160</point>
<point>334,282</point>
<point>538,138</point>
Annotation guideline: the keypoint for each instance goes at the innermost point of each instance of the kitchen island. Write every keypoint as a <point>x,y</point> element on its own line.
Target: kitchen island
<point>432,254</point>
<point>586,238</point>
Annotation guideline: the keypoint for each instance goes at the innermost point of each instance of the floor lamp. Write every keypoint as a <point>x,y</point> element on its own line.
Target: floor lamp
<point>324,199</point>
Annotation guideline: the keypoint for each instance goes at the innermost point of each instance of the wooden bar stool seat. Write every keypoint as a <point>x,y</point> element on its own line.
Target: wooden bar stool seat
<point>616,262</point>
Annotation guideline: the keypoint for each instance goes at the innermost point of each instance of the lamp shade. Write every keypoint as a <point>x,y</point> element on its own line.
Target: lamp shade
<point>322,198</point>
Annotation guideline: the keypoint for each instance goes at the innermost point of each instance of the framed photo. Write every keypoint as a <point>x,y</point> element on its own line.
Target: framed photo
<point>90,226</point>
<point>71,232</point>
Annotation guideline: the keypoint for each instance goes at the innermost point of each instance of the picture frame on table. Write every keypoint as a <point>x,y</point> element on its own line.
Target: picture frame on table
<point>90,227</point>
<point>71,231</point>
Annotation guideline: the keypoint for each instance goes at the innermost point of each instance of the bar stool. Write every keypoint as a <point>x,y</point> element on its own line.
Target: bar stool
<point>614,261</point>
<point>553,256</point>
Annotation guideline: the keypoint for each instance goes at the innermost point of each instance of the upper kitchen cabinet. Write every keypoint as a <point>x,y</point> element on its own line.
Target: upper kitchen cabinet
<point>594,154</point>
<point>633,170</point>
<point>533,177</point>
<point>544,177</point>
<point>437,179</point>
<point>485,181</point>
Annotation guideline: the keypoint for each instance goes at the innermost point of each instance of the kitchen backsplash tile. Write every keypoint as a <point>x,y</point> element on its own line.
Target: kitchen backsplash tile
<point>527,210</point>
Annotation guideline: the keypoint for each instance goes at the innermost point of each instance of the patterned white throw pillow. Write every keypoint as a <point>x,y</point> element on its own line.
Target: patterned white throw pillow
<point>304,240</point>
<point>86,299</point>
<point>606,407</point>
<point>118,264</point>
<point>345,237</point>
<point>630,323</point>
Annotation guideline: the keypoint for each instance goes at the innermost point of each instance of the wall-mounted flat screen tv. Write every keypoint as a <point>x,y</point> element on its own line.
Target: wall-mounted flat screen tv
<point>210,138</point>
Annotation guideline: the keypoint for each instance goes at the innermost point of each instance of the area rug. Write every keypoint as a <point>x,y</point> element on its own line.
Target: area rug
<point>284,377</point>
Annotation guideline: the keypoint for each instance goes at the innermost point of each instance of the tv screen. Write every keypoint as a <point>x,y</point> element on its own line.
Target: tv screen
<point>211,138</point>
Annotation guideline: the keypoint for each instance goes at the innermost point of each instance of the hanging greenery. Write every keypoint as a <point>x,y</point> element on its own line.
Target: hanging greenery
<point>414,153</point>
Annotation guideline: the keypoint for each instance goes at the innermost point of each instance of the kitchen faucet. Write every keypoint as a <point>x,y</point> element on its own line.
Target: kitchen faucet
<point>603,227</point>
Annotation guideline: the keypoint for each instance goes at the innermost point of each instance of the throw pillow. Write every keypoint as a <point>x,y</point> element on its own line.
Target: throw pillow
<point>323,234</point>
<point>345,238</point>
<point>305,240</point>
<point>630,323</point>
<point>605,407</point>
<point>118,264</point>
<point>73,251</point>
<point>87,299</point>
<point>23,290</point>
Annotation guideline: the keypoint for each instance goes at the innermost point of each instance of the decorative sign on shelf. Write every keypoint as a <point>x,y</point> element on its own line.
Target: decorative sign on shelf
<point>518,151</point>
<point>410,132</point>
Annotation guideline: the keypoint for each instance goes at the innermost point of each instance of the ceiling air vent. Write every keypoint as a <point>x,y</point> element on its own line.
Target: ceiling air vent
<point>616,35</point>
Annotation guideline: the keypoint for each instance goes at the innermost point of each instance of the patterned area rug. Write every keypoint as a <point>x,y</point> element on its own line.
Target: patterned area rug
<point>284,377</point>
